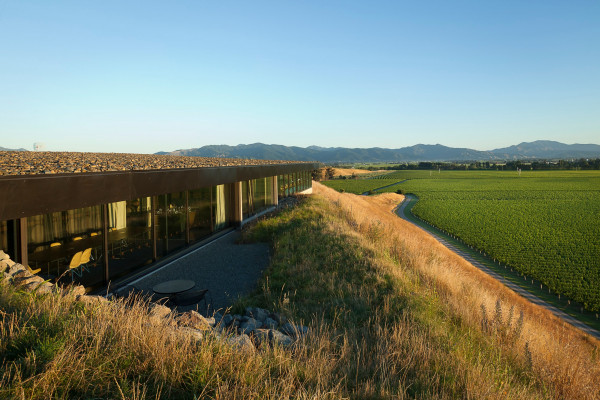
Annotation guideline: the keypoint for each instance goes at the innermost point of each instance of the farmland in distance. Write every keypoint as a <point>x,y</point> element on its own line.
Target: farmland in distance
<point>545,224</point>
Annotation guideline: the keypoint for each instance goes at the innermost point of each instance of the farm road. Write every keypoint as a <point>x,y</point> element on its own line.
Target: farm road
<point>402,213</point>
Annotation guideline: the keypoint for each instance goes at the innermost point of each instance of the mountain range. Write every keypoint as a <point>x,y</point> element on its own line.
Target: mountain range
<point>537,150</point>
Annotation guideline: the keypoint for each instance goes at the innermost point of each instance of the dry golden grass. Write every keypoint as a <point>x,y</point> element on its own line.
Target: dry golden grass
<point>561,356</point>
<point>350,171</point>
<point>392,313</point>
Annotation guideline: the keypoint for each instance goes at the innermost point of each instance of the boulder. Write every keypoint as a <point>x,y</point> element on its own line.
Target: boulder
<point>260,337</point>
<point>270,323</point>
<point>7,278</point>
<point>193,319</point>
<point>281,319</point>
<point>227,320</point>
<point>249,325</point>
<point>158,313</point>
<point>295,331</point>
<point>45,288</point>
<point>18,269</point>
<point>257,313</point>
<point>243,343</point>
<point>195,334</point>
<point>4,256</point>
<point>74,291</point>
<point>90,300</point>
<point>279,339</point>
<point>22,280</point>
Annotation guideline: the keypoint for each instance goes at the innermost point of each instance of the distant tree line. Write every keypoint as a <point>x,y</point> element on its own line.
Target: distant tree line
<point>580,164</point>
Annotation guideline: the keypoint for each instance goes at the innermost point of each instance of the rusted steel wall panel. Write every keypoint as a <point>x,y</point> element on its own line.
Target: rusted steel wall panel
<point>22,196</point>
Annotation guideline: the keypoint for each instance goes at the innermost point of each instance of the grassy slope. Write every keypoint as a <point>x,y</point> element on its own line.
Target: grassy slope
<point>392,316</point>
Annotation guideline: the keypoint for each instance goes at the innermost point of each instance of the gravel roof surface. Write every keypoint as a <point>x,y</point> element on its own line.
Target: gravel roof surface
<point>46,162</point>
<point>227,269</point>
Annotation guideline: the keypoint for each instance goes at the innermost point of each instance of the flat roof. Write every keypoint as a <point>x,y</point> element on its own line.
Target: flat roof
<point>56,162</point>
<point>32,193</point>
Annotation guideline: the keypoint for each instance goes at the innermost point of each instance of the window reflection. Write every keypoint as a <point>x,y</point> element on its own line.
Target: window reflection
<point>129,235</point>
<point>170,220</point>
<point>57,240</point>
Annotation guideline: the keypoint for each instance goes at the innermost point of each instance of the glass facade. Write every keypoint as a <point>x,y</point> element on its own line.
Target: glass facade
<point>129,235</point>
<point>56,241</point>
<point>221,206</point>
<point>92,244</point>
<point>200,213</point>
<point>170,220</point>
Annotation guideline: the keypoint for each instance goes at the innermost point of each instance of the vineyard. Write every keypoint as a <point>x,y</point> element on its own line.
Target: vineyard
<point>546,225</point>
<point>358,186</point>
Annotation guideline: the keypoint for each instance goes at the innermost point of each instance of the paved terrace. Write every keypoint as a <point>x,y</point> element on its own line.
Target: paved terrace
<point>45,162</point>
<point>227,269</point>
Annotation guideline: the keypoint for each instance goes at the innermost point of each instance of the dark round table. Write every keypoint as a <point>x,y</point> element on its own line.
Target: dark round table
<point>173,287</point>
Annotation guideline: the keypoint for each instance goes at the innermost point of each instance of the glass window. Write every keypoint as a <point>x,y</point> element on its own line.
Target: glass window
<point>269,191</point>
<point>199,216</point>
<point>170,219</point>
<point>221,206</point>
<point>248,189</point>
<point>58,240</point>
<point>129,235</point>
<point>260,193</point>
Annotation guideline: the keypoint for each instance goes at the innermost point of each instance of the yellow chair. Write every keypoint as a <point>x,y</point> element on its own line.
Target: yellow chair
<point>94,234</point>
<point>86,257</point>
<point>76,238</point>
<point>33,271</point>
<point>55,244</point>
<point>74,264</point>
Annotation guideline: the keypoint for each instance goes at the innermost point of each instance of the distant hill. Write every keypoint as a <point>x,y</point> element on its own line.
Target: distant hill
<point>5,149</point>
<point>541,149</point>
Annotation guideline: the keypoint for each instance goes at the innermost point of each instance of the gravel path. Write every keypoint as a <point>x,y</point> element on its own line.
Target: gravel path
<point>227,269</point>
<point>401,212</point>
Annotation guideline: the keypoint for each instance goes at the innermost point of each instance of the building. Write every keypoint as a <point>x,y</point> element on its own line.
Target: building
<point>126,220</point>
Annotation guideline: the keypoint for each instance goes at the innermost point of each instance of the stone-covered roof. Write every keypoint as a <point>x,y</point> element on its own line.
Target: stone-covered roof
<point>45,162</point>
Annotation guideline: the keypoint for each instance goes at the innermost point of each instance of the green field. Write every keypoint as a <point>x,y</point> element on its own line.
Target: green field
<point>545,224</point>
<point>358,186</point>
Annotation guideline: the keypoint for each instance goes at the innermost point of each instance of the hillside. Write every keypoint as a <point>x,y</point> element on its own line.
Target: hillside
<point>541,149</point>
<point>391,312</point>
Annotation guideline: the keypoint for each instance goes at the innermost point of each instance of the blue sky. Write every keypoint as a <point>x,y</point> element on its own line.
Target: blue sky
<point>145,76</point>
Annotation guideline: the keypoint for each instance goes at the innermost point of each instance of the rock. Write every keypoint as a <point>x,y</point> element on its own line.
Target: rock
<point>250,325</point>
<point>16,269</point>
<point>196,334</point>
<point>281,319</point>
<point>295,331</point>
<point>227,320</point>
<point>22,280</point>
<point>4,256</point>
<point>90,300</point>
<point>193,319</point>
<point>74,291</point>
<point>158,313</point>
<point>257,313</point>
<point>260,337</point>
<point>270,323</point>
<point>211,321</point>
<point>242,343</point>
<point>45,288</point>
<point>280,339</point>
<point>218,317</point>
<point>7,278</point>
